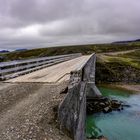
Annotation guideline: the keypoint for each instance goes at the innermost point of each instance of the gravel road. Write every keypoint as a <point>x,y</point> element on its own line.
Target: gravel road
<point>26,111</point>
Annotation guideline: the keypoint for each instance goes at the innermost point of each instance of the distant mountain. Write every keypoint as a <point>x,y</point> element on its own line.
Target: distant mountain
<point>4,51</point>
<point>138,40</point>
<point>126,42</point>
<point>19,50</point>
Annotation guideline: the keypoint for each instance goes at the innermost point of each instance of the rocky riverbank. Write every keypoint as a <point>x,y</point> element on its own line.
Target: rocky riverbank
<point>104,104</point>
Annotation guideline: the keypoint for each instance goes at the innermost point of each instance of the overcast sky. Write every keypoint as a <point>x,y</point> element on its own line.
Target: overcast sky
<point>43,23</point>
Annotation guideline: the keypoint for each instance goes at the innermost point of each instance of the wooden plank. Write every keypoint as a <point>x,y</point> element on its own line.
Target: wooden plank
<point>53,73</point>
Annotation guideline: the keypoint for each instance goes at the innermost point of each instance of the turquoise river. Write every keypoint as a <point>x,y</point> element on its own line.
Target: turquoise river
<point>123,125</point>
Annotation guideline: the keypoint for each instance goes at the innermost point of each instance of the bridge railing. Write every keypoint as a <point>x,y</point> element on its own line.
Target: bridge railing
<point>20,67</point>
<point>72,110</point>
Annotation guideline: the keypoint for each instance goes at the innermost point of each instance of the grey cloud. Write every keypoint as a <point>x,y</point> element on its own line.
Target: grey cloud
<point>39,11</point>
<point>40,23</point>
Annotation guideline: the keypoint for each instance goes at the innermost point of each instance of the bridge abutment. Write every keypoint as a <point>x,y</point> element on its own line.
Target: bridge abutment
<point>72,110</point>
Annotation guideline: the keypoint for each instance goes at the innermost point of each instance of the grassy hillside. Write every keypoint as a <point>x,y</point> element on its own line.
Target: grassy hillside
<point>84,49</point>
<point>115,62</point>
<point>124,68</point>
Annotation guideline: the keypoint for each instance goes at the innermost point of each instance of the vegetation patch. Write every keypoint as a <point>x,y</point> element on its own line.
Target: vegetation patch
<point>84,49</point>
<point>116,71</point>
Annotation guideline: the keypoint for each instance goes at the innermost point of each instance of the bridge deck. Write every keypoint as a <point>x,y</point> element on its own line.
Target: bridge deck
<point>55,73</point>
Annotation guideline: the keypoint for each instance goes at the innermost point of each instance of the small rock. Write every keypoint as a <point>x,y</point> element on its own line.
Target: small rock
<point>107,109</point>
<point>102,104</point>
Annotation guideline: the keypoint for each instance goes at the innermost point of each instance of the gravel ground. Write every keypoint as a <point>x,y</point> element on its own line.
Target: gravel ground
<point>26,111</point>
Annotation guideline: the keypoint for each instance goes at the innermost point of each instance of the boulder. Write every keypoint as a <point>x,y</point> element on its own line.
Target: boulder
<point>104,104</point>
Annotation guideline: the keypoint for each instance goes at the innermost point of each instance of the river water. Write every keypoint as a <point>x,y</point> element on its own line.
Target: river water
<point>123,125</point>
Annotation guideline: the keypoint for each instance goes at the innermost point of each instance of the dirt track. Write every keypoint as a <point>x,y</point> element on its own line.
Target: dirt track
<point>26,111</point>
<point>120,52</point>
